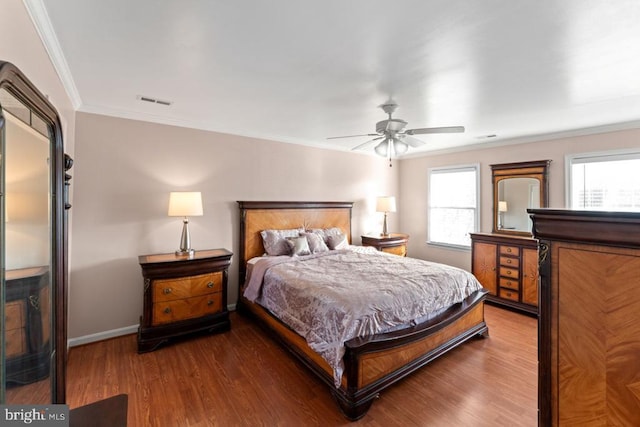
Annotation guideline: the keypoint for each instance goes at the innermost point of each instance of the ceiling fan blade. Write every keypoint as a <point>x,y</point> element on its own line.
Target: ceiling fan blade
<point>367,144</point>
<point>352,136</point>
<point>446,129</point>
<point>409,140</point>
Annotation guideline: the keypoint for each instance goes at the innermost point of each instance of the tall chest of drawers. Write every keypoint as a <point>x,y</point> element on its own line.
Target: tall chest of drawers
<point>589,327</point>
<point>183,295</point>
<point>507,266</point>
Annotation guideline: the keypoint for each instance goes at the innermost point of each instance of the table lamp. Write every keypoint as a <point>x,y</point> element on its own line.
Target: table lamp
<point>185,204</point>
<point>385,204</point>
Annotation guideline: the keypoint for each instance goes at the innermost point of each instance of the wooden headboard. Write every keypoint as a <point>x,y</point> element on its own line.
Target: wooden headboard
<point>258,216</point>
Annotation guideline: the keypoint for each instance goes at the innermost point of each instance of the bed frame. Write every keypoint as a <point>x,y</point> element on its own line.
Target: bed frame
<point>371,363</point>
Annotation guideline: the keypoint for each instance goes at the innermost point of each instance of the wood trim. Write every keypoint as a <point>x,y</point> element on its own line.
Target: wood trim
<point>596,227</point>
<point>16,83</point>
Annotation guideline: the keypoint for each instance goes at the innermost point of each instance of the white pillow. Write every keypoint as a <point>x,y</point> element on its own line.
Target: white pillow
<point>298,246</point>
<point>337,241</point>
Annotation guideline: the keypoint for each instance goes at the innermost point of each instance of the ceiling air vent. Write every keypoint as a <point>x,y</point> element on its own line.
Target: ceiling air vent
<point>153,100</point>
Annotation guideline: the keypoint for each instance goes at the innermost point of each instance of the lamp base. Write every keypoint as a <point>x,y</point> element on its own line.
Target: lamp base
<point>385,230</point>
<point>189,252</point>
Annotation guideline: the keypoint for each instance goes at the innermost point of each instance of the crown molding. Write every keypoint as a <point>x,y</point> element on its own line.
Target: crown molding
<point>40,18</point>
<point>592,130</point>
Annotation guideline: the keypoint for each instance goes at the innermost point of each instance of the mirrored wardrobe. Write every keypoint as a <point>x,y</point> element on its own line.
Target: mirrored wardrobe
<point>32,244</point>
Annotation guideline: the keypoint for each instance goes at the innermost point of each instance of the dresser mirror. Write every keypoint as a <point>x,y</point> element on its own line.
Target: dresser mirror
<point>516,188</point>
<point>32,245</point>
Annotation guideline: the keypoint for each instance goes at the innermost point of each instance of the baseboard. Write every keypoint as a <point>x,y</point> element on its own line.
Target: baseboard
<point>113,333</point>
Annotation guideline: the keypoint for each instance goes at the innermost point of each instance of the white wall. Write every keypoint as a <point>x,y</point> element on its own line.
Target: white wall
<point>124,171</point>
<point>413,199</point>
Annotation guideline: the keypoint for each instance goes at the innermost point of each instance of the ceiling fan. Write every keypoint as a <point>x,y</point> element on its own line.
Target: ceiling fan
<point>390,137</point>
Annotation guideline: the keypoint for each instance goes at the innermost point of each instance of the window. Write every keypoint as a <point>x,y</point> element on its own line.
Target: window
<point>453,205</point>
<point>604,181</point>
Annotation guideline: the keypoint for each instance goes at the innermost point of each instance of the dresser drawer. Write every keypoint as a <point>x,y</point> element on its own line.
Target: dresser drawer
<point>509,294</point>
<point>183,287</point>
<point>509,262</point>
<point>187,308</point>
<point>15,342</point>
<point>510,284</point>
<point>14,314</point>
<point>396,250</point>
<point>509,250</point>
<point>509,272</point>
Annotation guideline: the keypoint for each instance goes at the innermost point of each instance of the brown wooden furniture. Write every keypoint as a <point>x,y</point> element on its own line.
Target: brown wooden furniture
<point>507,266</point>
<point>371,363</point>
<point>518,187</point>
<point>182,295</point>
<point>589,324</point>
<point>27,330</point>
<point>21,101</point>
<point>393,243</point>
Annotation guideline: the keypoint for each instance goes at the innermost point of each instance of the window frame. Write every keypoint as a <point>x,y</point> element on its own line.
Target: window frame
<point>592,157</point>
<point>475,167</point>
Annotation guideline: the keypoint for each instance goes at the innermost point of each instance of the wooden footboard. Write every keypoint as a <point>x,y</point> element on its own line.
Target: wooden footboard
<point>374,363</point>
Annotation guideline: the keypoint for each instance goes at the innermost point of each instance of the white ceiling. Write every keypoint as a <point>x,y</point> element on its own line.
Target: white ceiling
<point>300,71</point>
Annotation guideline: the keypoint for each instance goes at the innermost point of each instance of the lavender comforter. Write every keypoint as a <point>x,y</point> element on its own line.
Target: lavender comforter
<point>332,297</point>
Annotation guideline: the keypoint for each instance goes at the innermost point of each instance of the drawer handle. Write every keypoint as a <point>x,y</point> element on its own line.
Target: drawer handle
<point>167,310</point>
<point>167,291</point>
<point>210,302</point>
<point>509,250</point>
<point>509,272</point>
<point>508,261</point>
<point>210,285</point>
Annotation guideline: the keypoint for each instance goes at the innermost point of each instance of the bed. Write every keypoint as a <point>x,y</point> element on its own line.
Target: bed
<point>370,363</point>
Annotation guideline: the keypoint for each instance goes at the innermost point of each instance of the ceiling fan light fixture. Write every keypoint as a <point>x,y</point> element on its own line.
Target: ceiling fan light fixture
<point>382,149</point>
<point>399,147</point>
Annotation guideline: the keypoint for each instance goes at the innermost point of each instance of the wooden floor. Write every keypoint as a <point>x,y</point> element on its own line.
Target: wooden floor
<point>243,378</point>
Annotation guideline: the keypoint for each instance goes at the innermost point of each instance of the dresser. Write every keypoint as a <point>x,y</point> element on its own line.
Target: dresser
<point>589,323</point>
<point>507,266</point>
<point>26,323</point>
<point>394,243</point>
<point>182,295</point>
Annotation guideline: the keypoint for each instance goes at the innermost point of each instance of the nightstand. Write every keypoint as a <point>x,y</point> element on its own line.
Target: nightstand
<point>394,243</point>
<point>183,295</point>
<point>26,324</point>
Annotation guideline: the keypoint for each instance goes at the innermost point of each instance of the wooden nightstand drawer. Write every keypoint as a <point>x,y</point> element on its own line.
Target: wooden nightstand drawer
<point>509,250</point>
<point>184,287</point>
<point>509,272</point>
<point>509,262</point>
<point>14,314</point>
<point>509,294</point>
<point>15,342</point>
<point>510,283</point>
<point>188,308</point>
<point>398,250</point>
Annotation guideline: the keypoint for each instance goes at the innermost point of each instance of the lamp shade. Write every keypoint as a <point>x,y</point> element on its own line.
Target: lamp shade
<point>502,206</point>
<point>386,204</point>
<point>185,203</point>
